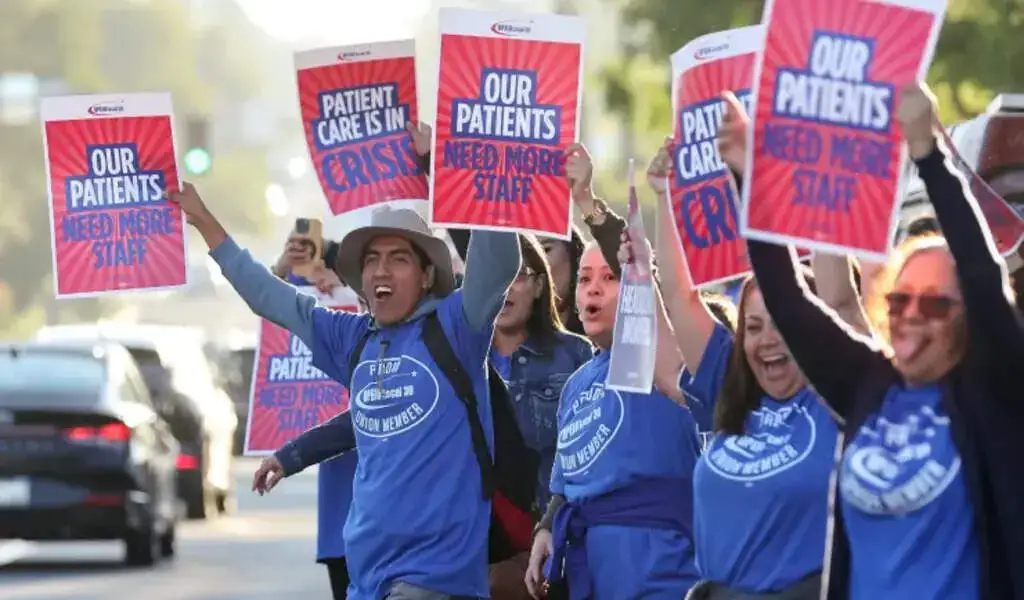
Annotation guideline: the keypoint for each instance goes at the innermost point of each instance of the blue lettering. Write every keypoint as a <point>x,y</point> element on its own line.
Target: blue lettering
<point>791,143</point>
<point>297,419</point>
<point>129,252</point>
<point>358,114</point>
<point>349,168</point>
<point>697,158</point>
<point>507,110</point>
<point>716,203</point>
<point>114,180</point>
<point>858,155</point>
<point>827,190</point>
<point>835,89</point>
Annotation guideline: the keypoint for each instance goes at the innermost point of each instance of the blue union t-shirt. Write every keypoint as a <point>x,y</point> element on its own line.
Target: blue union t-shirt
<point>606,440</point>
<point>761,499</point>
<point>908,516</point>
<point>417,511</point>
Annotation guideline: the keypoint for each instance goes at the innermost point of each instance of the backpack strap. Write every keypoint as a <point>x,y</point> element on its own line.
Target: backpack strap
<point>441,351</point>
<point>357,354</point>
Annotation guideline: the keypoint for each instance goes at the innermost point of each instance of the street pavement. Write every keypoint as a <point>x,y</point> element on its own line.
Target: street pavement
<point>264,551</point>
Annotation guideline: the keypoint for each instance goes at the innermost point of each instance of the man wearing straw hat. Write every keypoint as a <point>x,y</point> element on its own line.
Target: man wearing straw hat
<point>418,526</point>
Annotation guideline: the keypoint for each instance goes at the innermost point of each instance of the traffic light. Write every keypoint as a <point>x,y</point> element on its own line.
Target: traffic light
<point>198,159</point>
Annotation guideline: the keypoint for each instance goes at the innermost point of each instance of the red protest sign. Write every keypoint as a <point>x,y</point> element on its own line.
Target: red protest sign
<point>507,105</point>
<point>289,395</point>
<point>826,158</point>
<point>109,160</point>
<point>702,189</point>
<point>355,103</point>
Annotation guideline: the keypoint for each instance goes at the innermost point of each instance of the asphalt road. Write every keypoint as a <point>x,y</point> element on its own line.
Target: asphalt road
<point>264,551</point>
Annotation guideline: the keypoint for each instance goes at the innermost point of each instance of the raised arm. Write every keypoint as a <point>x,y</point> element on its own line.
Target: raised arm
<point>833,277</point>
<point>691,321</point>
<point>981,271</point>
<point>605,226</point>
<point>492,263</point>
<point>266,295</point>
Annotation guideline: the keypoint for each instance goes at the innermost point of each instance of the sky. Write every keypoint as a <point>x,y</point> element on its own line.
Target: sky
<point>336,22</point>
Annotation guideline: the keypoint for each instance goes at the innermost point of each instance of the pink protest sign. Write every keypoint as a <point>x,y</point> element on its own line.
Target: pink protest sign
<point>355,103</point>
<point>826,157</point>
<point>109,160</point>
<point>703,193</point>
<point>508,103</point>
<point>289,395</point>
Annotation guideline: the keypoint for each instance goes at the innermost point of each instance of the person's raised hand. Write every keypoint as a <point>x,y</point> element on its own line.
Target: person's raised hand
<point>326,280</point>
<point>660,168</point>
<point>190,202</point>
<point>579,170</point>
<point>732,133</point>
<point>541,550</point>
<point>267,475</point>
<point>422,136</point>
<point>917,114</point>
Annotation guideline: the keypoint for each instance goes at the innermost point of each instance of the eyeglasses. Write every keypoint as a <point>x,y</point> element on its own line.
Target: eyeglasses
<point>930,306</point>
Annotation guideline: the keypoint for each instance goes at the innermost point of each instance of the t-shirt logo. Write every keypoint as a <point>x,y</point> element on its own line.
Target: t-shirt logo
<point>594,419</point>
<point>899,467</point>
<point>394,395</point>
<point>777,440</point>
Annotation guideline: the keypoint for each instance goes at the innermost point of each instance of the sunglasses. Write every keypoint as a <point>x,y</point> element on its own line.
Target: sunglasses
<point>930,306</point>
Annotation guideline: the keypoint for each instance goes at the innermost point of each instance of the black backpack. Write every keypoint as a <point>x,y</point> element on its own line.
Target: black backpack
<point>510,480</point>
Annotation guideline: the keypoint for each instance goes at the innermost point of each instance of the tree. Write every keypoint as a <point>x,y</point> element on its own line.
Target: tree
<point>103,46</point>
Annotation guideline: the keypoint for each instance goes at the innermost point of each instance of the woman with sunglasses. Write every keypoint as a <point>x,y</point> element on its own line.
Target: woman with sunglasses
<point>930,482</point>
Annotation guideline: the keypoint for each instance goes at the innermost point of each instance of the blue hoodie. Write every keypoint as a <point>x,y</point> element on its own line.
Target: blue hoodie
<point>418,515</point>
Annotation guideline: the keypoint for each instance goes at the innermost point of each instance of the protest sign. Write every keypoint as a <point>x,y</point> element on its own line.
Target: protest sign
<point>109,160</point>
<point>355,103</point>
<point>289,395</point>
<point>508,102</point>
<point>825,158</point>
<point>703,192</point>
<point>634,339</point>
<point>1006,225</point>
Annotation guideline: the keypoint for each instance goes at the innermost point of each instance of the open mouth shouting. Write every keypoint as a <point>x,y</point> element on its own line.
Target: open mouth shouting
<point>775,364</point>
<point>382,293</point>
<point>591,311</point>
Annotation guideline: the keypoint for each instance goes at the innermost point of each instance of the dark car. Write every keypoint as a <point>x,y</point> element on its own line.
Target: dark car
<point>200,413</point>
<point>83,453</point>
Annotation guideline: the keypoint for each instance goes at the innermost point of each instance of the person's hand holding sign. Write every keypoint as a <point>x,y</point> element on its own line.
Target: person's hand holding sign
<point>732,134</point>
<point>198,215</point>
<point>579,170</point>
<point>917,115</point>
<point>660,168</point>
<point>422,136</point>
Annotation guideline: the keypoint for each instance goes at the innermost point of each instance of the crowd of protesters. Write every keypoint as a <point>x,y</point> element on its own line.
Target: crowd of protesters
<point>861,433</point>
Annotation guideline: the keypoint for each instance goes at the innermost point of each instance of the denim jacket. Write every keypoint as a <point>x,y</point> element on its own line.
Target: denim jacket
<point>535,374</point>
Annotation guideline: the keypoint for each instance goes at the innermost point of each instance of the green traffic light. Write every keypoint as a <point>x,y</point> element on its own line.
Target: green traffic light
<point>197,161</point>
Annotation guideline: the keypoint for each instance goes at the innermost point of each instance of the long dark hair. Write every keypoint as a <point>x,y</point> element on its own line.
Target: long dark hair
<point>544,322</point>
<point>575,247</point>
<point>741,393</point>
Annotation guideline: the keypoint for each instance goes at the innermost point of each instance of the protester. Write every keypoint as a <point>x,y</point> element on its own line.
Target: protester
<point>620,514</point>
<point>334,478</point>
<point>418,525</point>
<point>535,355</point>
<point>761,486</point>
<point>929,500</point>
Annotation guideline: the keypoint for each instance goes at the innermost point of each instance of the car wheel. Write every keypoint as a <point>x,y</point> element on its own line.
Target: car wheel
<point>226,502</point>
<point>141,548</point>
<point>167,542</point>
<point>196,504</point>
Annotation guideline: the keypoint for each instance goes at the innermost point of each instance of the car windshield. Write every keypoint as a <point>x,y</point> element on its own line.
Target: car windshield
<point>50,373</point>
<point>152,369</point>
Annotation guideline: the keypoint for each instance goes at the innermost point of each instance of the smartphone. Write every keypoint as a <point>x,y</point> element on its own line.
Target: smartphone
<point>310,232</point>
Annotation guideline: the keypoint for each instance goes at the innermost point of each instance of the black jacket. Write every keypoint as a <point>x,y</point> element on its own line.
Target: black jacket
<point>982,395</point>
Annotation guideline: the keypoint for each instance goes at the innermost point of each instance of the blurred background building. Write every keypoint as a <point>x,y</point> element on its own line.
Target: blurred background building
<point>229,66</point>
